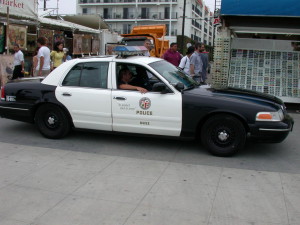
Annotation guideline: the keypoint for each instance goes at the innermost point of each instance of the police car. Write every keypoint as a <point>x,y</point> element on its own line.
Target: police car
<point>84,93</point>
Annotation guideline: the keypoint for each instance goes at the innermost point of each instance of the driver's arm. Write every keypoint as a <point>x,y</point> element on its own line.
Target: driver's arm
<point>131,87</point>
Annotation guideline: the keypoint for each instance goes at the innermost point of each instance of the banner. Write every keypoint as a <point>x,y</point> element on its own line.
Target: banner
<point>87,44</point>
<point>77,44</point>
<point>17,35</point>
<point>59,36</point>
<point>95,46</point>
<point>20,8</point>
<point>6,68</point>
<point>48,34</point>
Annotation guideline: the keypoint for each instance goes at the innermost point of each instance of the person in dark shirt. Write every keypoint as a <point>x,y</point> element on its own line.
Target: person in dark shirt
<point>125,79</point>
<point>172,55</point>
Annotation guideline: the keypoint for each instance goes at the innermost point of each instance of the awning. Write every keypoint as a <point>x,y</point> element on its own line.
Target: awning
<point>92,21</point>
<point>65,24</point>
<point>274,8</point>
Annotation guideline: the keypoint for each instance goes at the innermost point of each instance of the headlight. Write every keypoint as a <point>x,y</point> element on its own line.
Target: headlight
<point>270,116</point>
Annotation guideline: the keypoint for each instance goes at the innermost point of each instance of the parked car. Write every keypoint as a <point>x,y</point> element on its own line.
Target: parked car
<point>84,93</point>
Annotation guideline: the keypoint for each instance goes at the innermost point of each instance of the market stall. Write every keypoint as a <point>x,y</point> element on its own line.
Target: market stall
<point>258,47</point>
<point>23,26</point>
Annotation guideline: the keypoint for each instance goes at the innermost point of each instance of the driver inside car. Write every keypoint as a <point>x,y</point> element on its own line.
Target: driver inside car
<point>125,81</point>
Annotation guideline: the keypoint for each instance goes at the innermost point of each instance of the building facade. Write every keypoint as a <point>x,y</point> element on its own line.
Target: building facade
<point>122,15</point>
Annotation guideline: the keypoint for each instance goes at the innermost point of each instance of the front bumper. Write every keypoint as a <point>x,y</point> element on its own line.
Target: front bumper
<point>272,132</point>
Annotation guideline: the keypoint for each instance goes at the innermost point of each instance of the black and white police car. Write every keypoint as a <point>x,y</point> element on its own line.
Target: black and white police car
<point>83,93</point>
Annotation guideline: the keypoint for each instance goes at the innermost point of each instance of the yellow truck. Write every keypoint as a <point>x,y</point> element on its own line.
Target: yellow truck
<point>155,33</point>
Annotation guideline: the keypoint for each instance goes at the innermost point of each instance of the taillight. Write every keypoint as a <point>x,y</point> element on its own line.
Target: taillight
<point>2,94</point>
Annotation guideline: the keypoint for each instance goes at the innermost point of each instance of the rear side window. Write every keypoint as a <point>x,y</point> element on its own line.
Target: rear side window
<point>92,75</point>
<point>73,77</point>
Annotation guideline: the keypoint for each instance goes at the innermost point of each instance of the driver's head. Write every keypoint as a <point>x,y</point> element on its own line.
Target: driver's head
<point>125,75</point>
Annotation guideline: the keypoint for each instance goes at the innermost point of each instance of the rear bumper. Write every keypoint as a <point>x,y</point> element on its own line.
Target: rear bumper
<point>15,112</point>
<point>272,132</point>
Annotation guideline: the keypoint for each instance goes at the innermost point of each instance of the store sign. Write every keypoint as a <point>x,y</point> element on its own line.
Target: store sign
<point>217,21</point>
<point>24,8</point>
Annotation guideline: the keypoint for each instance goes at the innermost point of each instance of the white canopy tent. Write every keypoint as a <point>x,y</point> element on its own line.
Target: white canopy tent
<point>65,24</point>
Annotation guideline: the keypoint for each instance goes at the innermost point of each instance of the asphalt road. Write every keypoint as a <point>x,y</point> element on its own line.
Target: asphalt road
<point>282,157</point>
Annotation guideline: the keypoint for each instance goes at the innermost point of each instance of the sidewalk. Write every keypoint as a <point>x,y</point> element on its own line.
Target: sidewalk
<point>40,186</point>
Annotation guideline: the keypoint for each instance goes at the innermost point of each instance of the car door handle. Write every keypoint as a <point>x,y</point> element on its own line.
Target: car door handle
<point>66,94</point>
<point>120,98</point>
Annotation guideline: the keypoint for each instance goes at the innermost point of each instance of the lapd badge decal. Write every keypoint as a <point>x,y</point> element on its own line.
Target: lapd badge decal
<point>145,103</point>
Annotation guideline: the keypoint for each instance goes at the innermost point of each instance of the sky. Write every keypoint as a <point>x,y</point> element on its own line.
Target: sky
<point>69,6</point>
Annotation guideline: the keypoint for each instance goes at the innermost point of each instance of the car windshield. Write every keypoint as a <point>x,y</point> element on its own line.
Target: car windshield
<point>173,74</point>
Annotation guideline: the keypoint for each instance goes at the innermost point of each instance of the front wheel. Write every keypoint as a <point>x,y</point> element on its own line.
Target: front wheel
<point>52,121</point>
<point>223,135</point>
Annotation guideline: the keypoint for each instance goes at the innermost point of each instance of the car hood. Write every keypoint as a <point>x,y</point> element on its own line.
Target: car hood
<point>237,93</point>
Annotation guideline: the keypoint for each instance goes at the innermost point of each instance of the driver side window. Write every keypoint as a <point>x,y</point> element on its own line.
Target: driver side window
<point>141,77</point>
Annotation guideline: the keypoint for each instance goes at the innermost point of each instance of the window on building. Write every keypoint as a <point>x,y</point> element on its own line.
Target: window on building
<point>125,13</point>
<point>131,12</point>
<point>145,13</point>
<point>107,13</point>
<point>167,13</point>
<point>84,10</point>
<point>126,28</point>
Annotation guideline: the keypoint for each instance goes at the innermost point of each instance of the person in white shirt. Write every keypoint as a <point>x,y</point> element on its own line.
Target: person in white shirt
<point>18,63</point>
<point>43,67</point>
<point>147,44</point>
<point>185,61</point>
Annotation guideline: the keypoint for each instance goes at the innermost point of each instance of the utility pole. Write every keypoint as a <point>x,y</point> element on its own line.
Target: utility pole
<point>183,26</point>
<point>45,5</point>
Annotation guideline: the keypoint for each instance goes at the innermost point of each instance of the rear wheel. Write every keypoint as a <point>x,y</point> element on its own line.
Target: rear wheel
<point>223,135</point>
<point>52,121</point>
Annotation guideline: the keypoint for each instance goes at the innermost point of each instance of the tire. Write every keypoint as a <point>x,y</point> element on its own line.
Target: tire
<point>223,135</point>
<point>52,121</point>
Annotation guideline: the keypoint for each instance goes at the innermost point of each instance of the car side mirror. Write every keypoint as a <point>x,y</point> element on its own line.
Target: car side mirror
<point>160,87</point>
<point>179,86</point>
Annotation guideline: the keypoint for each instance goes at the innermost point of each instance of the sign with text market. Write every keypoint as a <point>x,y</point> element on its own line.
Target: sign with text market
<point>20,8</point>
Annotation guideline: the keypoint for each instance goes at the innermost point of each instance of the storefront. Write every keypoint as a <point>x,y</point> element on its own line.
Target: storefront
<point>259,47</point>
<point>22,26</point>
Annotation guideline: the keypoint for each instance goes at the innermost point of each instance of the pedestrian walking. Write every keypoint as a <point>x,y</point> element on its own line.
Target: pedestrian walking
<point>43,56</point>
<point>205,60</point>
<point>35,62</point>
<point>57,55</point>
<point>18,63</point>
<point>172,55</point>
<point>185,61</point>
<point>67,54</point>
<point>196,64</point>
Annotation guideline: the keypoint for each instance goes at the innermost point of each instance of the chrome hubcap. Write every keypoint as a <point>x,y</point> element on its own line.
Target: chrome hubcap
<point>223,135</point>
<point>51,120</point>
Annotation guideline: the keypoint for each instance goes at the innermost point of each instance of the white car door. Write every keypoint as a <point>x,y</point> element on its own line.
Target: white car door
<point>149,113</point>
<point>84,92</point>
